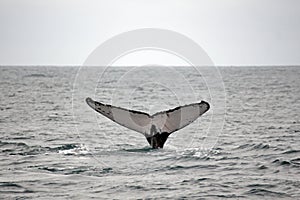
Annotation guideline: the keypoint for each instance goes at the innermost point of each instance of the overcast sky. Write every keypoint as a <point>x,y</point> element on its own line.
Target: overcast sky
<point>232,32</point>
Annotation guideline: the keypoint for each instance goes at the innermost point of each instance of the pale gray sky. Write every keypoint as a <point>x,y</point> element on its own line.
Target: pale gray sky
<point>232,32</point>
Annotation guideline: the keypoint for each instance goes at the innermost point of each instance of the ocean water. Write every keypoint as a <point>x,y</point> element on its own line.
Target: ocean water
<point>52,145</point>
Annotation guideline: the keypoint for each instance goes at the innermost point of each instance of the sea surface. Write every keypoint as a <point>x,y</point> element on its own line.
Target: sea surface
<point>54,146</point>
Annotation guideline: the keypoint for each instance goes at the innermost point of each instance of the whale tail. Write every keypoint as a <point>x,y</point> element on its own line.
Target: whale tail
<point>157,127</point>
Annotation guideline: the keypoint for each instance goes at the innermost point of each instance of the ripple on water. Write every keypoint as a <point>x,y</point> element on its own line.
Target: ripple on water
<point>265,192</point>
<point>10,187</point>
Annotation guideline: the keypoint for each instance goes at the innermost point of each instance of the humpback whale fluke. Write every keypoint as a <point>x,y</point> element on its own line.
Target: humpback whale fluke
<point>156,128</point>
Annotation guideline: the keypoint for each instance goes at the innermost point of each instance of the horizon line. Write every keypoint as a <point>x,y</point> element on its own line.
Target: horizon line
<point>59,65</point>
